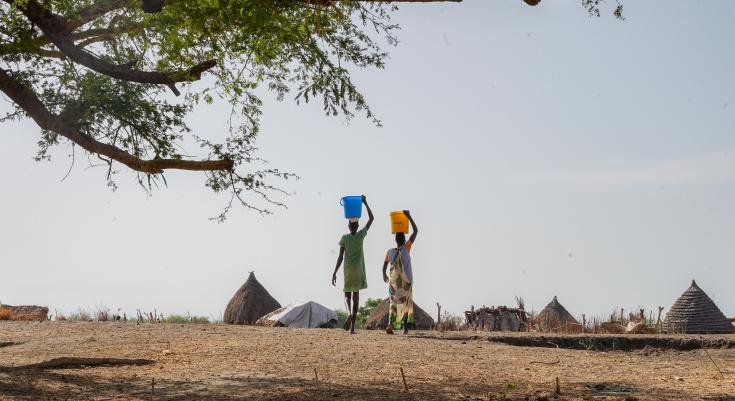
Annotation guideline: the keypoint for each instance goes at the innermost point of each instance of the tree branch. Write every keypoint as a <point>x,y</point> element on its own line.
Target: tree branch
<point>12,48</point>
<point>55,27</point>
<point>88,34</point>
<point>154,6</point>
<point>94,11</point>
<point>29,102</point>
<point>91,36</point>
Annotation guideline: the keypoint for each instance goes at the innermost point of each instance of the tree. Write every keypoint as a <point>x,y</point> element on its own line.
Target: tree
<point>364,312</point>
<point>96,74</point>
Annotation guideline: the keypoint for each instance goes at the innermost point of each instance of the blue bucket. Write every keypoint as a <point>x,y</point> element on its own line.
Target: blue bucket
<point>353,206</point>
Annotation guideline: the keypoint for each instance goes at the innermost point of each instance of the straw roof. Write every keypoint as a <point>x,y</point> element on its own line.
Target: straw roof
<point>695,312</point>
<point>554,317</point>
<point>251,302</point>
<point>379,318</point>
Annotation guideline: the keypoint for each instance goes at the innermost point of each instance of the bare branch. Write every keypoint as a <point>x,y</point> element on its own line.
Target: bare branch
<point>71,166</point>
<point>94,11</point>
<point>9,48</point>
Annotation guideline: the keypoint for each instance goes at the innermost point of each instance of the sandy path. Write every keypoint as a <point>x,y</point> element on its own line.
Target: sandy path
<point>235,362</point>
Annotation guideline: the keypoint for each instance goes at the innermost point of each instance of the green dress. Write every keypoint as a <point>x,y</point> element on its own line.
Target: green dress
<point>354,261</point>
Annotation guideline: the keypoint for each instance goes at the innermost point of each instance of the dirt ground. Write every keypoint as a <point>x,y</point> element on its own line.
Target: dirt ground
<point>219,362</point>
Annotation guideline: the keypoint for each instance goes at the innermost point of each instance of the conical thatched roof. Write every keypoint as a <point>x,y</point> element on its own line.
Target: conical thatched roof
<point>379,318</point>
<point>251,302</point>
<point>554,317</point>
<point>695,312</point>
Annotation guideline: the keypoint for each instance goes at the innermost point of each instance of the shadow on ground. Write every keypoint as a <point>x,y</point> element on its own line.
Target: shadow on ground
<point>597,342</point>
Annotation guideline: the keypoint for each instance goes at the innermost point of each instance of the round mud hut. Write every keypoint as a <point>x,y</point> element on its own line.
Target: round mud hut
<point>378,320</point>
<point>695,313</point>
<point>251,302</point>
<point>555,317</point>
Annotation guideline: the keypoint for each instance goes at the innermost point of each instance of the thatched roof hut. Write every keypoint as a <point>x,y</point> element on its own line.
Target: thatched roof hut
<point>554,317</point>
<point>251,302</point>
<point>378,320</point>
<point>695,312</point>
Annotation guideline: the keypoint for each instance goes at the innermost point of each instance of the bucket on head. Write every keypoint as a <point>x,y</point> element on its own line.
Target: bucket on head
<point>398,222</point>
<point>352,206</point>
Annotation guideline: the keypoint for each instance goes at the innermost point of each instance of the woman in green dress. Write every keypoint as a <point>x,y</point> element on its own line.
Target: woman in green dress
<point>350,251</point>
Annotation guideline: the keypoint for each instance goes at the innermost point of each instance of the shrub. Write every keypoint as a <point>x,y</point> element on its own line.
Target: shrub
<point>186,319</point>
<point>341,317</point>
<point>59,316</point>
<point>364,312</point>
<point>102,313</point>
<point>450,322</point>
<point>5,313</point>
<point>80,316</point>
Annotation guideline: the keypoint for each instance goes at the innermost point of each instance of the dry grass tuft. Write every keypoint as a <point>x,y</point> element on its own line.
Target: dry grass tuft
<point>102,313</point>
<point>5,313</point>
<point>450,322</point>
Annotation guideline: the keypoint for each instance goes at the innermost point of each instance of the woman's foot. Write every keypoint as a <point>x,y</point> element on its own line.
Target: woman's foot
<point>405,329</point>
<point>348,323</point>
<point>388,330</point>
<point>353,331</point>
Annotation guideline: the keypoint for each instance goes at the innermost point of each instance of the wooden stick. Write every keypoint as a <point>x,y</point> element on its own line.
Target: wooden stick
<point>558,388</point>
<point>153,384</point>
<point>316,379</point>
<point>713,361</point>
<point>405,386</point>
<point>658,320</point>
<point>546,363</point>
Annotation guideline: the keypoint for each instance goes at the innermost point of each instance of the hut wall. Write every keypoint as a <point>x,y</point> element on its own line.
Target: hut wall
<point>495,319</point>
<point>486,321</point>
<point>509,321</point>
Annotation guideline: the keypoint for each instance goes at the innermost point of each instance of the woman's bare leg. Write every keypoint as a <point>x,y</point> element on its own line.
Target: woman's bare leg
<point>348,301</point>
<point>355,306</point>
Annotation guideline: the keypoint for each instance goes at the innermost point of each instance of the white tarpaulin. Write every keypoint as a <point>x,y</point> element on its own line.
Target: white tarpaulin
<point>303,314</point>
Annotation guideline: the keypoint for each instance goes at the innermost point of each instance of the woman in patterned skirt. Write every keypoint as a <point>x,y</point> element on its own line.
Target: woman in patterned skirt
<point>400,280</point>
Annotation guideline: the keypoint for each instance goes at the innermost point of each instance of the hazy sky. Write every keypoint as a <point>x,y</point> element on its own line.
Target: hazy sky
<point>541,152</point>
